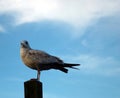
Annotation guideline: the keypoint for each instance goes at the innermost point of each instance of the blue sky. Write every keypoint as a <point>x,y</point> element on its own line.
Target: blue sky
<point>85,32</point>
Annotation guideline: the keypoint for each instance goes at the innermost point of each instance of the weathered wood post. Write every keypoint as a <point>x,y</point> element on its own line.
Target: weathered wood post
<point>33,89</point>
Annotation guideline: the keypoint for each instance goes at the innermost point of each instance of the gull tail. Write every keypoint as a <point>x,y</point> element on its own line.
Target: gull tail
<point>63,67</point>
<point>71,65</point>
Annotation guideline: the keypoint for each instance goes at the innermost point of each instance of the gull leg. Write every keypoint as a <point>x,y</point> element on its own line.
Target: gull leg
<point>38,75</point>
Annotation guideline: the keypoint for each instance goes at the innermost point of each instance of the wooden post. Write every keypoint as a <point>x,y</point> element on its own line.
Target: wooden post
<point>33,89</point>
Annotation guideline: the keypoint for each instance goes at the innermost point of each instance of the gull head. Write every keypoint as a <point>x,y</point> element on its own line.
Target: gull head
<point>25,44</point>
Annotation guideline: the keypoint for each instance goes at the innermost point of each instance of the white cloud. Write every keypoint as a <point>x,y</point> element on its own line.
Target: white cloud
<point>97,65</point>
<point>29,10</point>
<point>2,29</point>
<point>76,12</point>
<point>80,13</point>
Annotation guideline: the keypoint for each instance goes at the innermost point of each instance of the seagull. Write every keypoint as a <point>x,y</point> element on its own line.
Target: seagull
<point>40,60</point>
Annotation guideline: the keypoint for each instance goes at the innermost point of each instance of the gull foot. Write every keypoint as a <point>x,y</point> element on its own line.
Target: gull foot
<point>34,79</point>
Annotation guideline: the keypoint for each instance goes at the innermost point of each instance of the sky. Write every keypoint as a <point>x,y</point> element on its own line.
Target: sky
<point>86,32</point>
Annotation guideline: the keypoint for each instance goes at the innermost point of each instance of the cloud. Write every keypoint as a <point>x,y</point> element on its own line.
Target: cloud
<point>97,65</point>
<point>76,12</point>
<point>2,29</point>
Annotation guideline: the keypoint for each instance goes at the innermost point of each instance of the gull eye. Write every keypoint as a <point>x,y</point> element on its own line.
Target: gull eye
<point>26,42</point>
